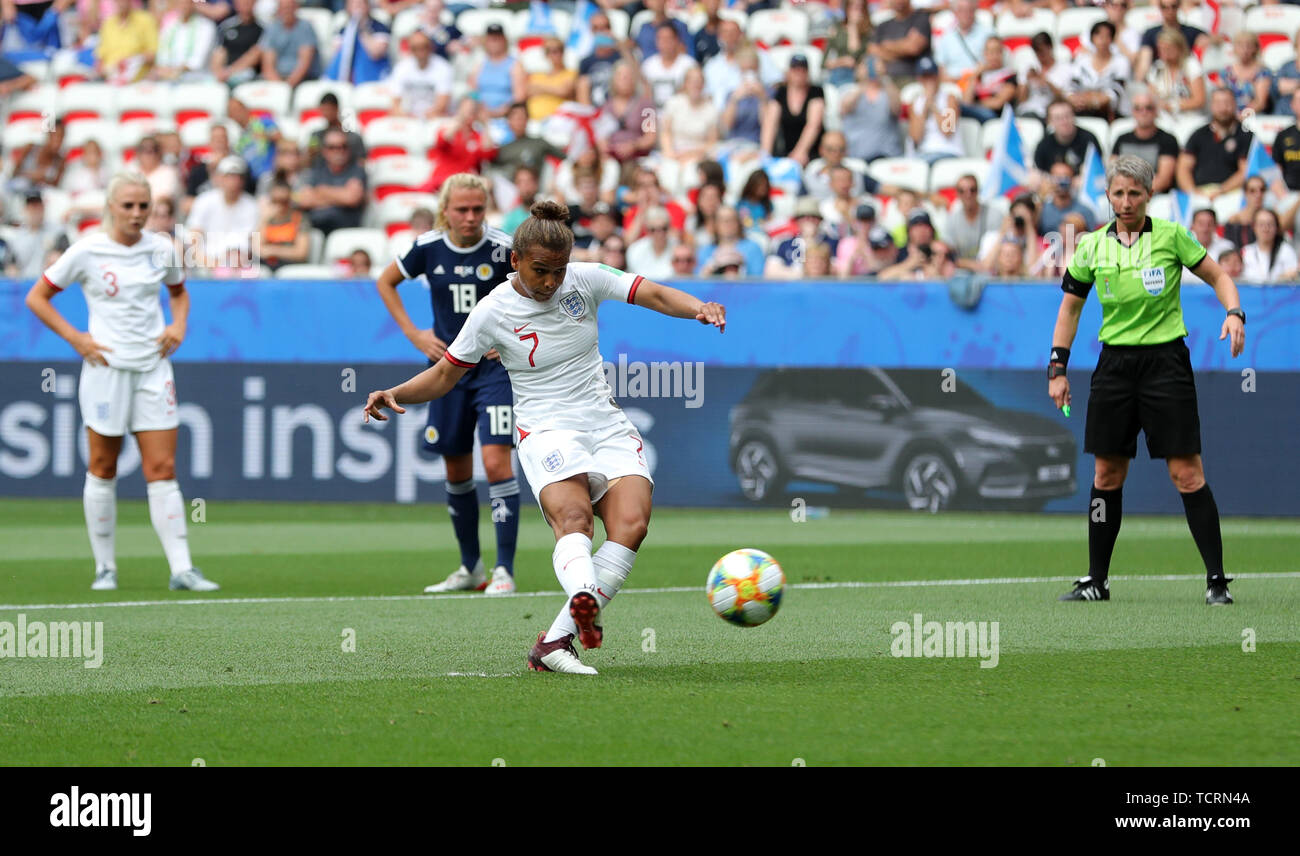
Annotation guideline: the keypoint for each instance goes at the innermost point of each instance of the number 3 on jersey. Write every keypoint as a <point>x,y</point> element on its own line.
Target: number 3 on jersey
<point>464,297</point>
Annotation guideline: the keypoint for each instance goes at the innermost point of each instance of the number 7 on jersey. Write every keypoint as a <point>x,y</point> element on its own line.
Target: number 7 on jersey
<point>525,338</point>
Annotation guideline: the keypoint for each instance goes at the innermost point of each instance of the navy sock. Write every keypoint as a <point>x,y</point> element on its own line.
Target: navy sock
<point>462,503</point>
<point>505,517</point>
<point>1203,520</point>
<point>1105,511</point>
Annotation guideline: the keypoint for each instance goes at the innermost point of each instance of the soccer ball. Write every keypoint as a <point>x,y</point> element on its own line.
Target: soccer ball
<point>745,587</point>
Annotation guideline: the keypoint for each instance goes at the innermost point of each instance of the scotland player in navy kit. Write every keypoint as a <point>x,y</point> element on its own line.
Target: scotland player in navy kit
<point>463,261</point>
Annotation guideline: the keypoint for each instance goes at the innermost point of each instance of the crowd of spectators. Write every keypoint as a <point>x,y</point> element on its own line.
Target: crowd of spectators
<point>682,142</point>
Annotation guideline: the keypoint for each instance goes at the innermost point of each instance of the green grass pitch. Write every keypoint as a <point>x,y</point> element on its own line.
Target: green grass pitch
<point>257,674</point>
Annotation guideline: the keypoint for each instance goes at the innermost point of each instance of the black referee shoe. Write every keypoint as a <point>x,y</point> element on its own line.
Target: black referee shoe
<point>1217,592</point>
<point>1086,589</point>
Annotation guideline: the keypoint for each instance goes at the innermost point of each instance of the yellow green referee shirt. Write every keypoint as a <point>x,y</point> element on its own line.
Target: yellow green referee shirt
<point>1137,285</point>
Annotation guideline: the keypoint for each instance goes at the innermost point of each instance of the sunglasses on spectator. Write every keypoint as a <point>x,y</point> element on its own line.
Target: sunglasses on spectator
<point>336,146</point>
<point>966,189</point>
<point>684,260</point>
<point>656,228</point>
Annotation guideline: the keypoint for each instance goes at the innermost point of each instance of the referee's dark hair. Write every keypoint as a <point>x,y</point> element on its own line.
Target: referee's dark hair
<point>547,227</point>
<point>1133,167</point>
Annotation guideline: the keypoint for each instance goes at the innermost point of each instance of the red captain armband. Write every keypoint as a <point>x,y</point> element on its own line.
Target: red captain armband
<point>455,362</point>
<point>631,292</point>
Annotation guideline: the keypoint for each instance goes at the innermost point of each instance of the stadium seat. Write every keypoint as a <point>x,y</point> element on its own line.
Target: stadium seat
<point>316,246</point>
<point>1016,32</point>
<point>1031,133</point>
<point>393,214</point>
<point>533,58</point>
<point>619,22</point>
<point>944,174</point>
<point>1143,18</point>
<point>1267,127</point>
<point>969,129</point>
<point>881,15</point>
<point>1228,204</point>
<point>474,22</point>
<point>1184,125</point>
<point>770,27</point>
<point>86,101</point>
<point>388,136</point>
<point>1277,55</point>
<point>398,175</point>
<point>370,101</point>
<point>264,96</point>
<point>909,173</point>
<point>399,242</point>
<point>340,243</point>
<point>307,271</point>
<point>145,100</point>
<point>302,131</point>
<point>561,21</point>
<point>322,22</point>
<point>27,132</point>
<point>943,21</point>
<point>306,98</point>
<point>833,121</point>
<point>199,101</point>
<point>105,133</point>
<point>1273,23</point>
<point>36,69</point>
<point>1073,25</point>
<point>32,104</point>
<point>1119,128</point>
<point>1099,128</point>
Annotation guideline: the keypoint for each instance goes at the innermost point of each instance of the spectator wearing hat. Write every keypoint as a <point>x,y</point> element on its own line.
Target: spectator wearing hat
<point>224,217</point>
<point>870,112</point>
<point>652,256</point>
<point>360,47</point>
<point>329,111</point>
<point>784,261</point>
<point>792,120</point>
<point>727,263</point>
<point>498,79</point>
<point>902,41</point>
<point>856,254</point>
<point>285,231</point>
<point>29,241</point>
<point>421,82</point>
<point>237,57</point>
<point>288,48</point>
<point>920,234</point>
<point>334,194</point>
<point>934,125</point>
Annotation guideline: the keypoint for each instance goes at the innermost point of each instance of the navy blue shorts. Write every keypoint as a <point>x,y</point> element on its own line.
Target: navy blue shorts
<point>481,399</point>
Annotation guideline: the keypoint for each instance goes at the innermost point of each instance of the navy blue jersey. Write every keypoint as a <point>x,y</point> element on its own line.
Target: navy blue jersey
<point>458,276</point>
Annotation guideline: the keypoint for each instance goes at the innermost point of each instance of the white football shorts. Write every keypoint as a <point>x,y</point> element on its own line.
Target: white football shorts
<point>605,454</point>
<point>117,401</point>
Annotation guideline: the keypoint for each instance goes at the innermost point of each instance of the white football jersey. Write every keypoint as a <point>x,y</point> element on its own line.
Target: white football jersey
<point>121,285</point>
<point>549,348</point>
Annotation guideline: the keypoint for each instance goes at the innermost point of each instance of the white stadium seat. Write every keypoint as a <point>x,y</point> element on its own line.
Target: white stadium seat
<point>1074,24</point>
<point>909,173</point>
<point>370,101</point>
<point>780,56</point>
<point>145,100</point>
<point>1267,127</point>
<point>322,23</point>
<point>86,101</point>
<point>308,272</point>
<point>393,213</point>
<point>398,175</point>
<point>1018,31</point>
<point>32,104</point>
<point>199,101</point>
<point>1184,126</point>
<point>770,27</point>
<point>270,96</point>
<point>1273,23</point>
<point>340,244</point>
<point>1277,55</point>
<point>306,98</point>
<point>562,22</point>
<point>1143,18</point>
<point>1031,133</point>
<point>1099,128</point>
<point>945,174</point>
<point>1228,204</point>
<point>388,136</point>
<point>1119,128</point>
<point>474,22</point>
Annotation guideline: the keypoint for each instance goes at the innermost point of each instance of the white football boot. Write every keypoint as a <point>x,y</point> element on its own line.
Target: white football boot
<point>192,580</point>
<point>105,580</point>
<point>558,656</point>
<point>461,579</point>
<point>502,582</point>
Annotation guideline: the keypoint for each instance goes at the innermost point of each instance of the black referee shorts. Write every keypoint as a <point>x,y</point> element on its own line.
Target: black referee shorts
<point>1146,388</point>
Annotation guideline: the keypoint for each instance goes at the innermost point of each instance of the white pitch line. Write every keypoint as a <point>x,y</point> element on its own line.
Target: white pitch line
<point>848,584</point>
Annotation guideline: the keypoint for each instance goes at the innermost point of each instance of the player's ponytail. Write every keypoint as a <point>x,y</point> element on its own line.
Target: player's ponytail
<point>547,227</point>
<point>459,181</point>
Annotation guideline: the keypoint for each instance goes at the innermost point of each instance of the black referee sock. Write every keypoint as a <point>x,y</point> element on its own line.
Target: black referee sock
<point>1203,520</point>
<point>1105,511</point>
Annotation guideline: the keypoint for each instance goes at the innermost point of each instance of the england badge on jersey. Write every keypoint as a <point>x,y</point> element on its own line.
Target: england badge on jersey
<point>553,461</point>
<point>572,305</point>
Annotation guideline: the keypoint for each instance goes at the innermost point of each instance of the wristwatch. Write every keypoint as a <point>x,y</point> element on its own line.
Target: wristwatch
<point>1239,312</point>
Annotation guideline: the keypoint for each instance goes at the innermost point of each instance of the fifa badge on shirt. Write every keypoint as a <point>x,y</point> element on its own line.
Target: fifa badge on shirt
<point>1153,280</point>
<point>572,305</point>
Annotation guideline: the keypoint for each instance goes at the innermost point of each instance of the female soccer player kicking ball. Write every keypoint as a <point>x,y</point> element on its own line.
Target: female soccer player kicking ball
<point>577,448</point>
<point>126,379</point>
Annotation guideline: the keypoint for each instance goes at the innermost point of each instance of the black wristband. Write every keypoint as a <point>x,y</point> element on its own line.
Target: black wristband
<point>1060,355</point>
<point>1239,312</point>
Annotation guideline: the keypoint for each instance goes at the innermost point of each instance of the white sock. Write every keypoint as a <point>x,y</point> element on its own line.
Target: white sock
<point>613,562</point>
<point>574,570</point>
<point>167,511</point>
<point>99,497</point>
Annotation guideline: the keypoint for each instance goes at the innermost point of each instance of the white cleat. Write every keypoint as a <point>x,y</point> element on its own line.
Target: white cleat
<point>105,580</point>
<point>558,656</point>
<point>461,579</point>
<point>502,582</point>
<point>192,580</point>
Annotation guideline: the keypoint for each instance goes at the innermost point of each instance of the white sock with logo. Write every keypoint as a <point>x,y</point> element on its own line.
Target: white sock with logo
<point>613,563</point>
<point>575,571</point>
<point>167,511</point>
<point>99,498</point>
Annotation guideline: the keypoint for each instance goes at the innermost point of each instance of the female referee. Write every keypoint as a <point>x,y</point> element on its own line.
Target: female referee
<point>578,450</point>
<point>126,378</point>
<point>1143,381</point>
<point>463,260</point>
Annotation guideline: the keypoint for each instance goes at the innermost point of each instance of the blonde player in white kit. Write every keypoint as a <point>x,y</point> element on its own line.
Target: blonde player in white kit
<point>577,448</point>
<point>126,378</point>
